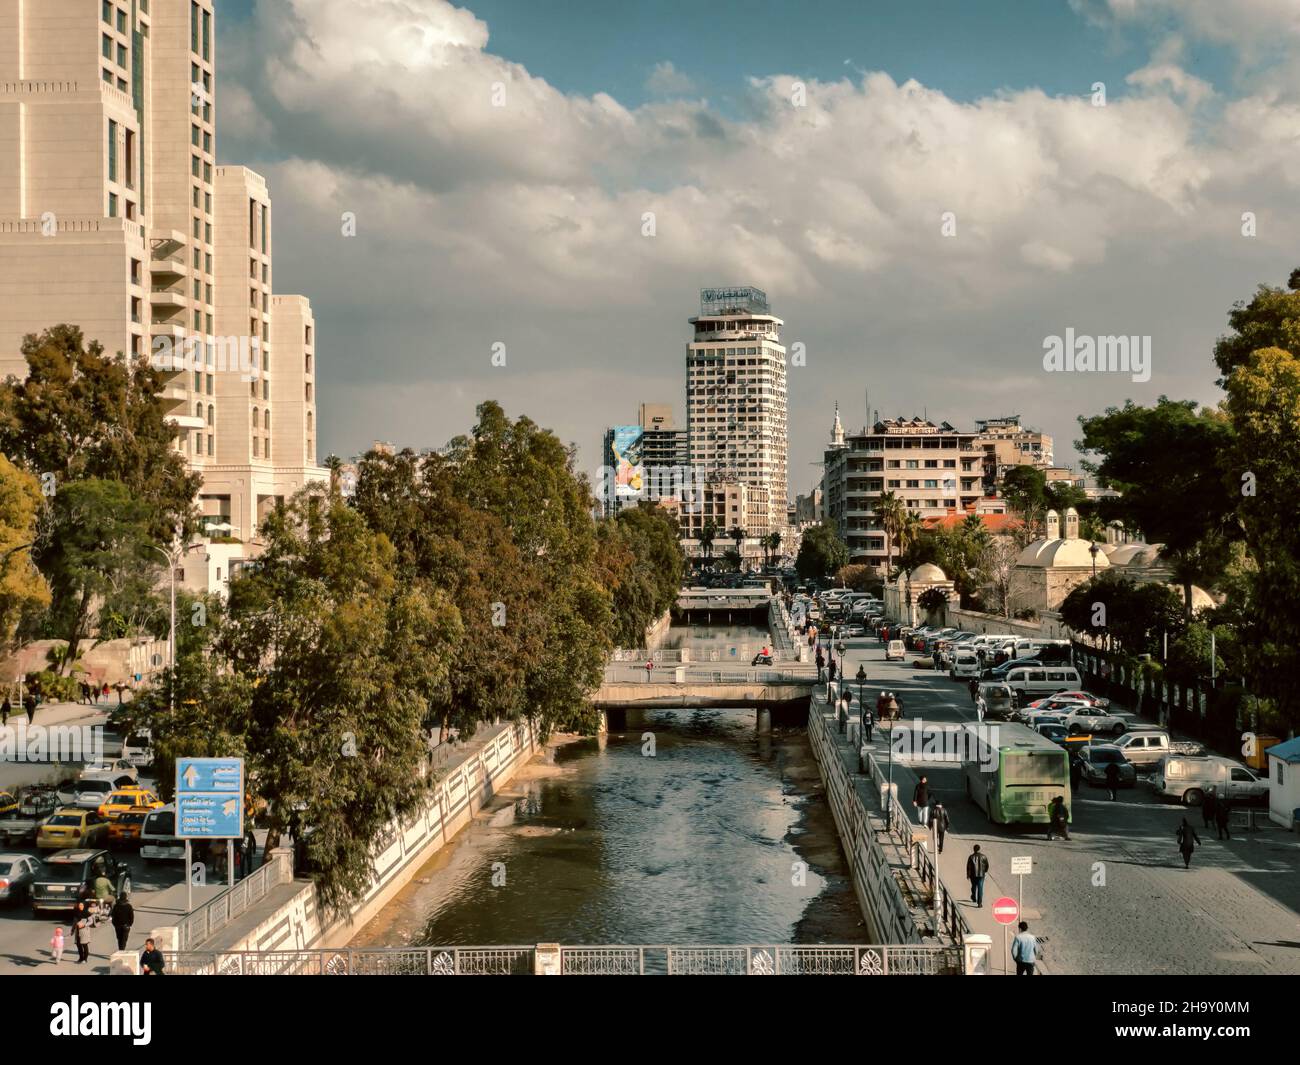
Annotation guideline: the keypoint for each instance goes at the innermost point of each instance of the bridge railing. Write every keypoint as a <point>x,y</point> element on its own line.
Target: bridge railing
<point>214,915</point>
<point>694,675</point>
<point>607,960</point>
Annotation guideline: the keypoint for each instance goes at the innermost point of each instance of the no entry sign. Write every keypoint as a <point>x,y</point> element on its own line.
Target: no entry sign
<point>1005,911</point>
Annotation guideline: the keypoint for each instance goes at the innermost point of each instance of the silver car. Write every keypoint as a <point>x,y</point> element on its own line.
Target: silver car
<point>1095,720</point>
<point>17,871</point>
<point>1096,758</point>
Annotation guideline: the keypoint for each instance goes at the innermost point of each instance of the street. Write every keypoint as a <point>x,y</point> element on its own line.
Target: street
<point>24,939</point>
<point>1115,898</point>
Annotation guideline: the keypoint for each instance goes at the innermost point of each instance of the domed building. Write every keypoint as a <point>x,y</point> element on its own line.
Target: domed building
<point>1049,569</point>
<point>902,597</point>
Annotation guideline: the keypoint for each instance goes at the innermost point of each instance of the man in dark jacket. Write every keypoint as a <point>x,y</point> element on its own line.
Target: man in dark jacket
<point>939,823</point>
<point>921,800</point>
<point>1209,807</point>
<point>151,960</point>
<point>1222,812</point>
<point>1058,819</point>
<point>977,868</point>
<point>123,917</point>
<point>1112,779</point>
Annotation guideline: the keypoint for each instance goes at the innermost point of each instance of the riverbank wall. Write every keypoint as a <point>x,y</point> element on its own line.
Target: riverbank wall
<point>888,877</point>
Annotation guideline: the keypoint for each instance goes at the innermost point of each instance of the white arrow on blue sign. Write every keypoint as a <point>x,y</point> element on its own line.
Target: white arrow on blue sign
<point>209,798</point>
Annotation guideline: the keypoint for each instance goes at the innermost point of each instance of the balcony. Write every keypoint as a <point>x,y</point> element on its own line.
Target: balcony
<point>166,243</point>
<point>167,271</point>
<point>166,301</point>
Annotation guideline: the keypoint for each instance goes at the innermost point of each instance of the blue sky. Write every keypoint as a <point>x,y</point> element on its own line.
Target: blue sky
<point>523,224</point>
<point>965,48</point>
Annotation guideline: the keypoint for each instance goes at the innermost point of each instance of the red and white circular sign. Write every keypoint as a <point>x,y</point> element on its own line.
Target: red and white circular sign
<point>1005,911</point>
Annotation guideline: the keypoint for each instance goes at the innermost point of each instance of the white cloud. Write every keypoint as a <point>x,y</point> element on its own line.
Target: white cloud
<point>666,80</point>
<point>523,223</point>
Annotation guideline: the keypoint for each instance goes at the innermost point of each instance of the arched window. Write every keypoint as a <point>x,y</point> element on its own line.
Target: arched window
<point>266,418</point>
<point>309,421</point>
<point>212,413</point>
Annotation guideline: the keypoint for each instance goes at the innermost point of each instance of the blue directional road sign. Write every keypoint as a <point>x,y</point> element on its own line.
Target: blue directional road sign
<point>209,798</point>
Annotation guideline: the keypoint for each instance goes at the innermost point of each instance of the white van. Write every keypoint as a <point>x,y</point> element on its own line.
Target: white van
<point>158,839</point>
<point>1033,682</point>
<point>1188,778</point>
<point>964,663</point>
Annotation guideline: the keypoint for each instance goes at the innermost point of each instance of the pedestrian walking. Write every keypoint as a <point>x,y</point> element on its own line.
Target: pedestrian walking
<point>830,669</point>
<point>5,708</point>
<point>104,691</point>
<point>1209,808</point>
<point>1076,772</point>
<point>250,850</point>
<point>939,823</point>
<point>123,916</point>
<point>81,936</point>
<point>1112,780</point>
<point>1058,819</point>
<point>1222,812</point>
<point>868,722</point>
<point>151,960</point>
<point>921,800</point>
<point>56,944</point>
<point>977,868</point>
<point>1188,841</point>
<point>974,689</point>
<point>1025,950</point>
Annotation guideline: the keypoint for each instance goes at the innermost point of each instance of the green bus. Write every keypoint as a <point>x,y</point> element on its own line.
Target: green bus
<point>1013,773</point>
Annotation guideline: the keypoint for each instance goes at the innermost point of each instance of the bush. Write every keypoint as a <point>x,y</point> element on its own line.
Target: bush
<point>54,686</point>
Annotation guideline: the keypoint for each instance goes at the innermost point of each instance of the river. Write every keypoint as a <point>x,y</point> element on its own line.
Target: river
<point>688,828</point>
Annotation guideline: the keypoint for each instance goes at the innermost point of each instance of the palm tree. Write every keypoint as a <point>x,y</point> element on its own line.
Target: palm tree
<point>775,541</point>
<point>909,530</point>
<point>889,512</point>
<point>738,534</point>
<point>335,465</point>
<point>706,538</point>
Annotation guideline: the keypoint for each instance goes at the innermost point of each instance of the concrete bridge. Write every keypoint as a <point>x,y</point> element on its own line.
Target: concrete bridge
<point>785,688</point>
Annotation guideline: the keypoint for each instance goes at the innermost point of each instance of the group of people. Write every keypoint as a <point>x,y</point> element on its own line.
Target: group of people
<point>931,814</point>
<point>92,693</point>
<point>97,905</point>
<point>1216,810</point>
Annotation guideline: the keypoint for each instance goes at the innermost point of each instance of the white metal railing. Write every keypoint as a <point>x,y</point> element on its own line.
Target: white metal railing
<point>206,921</point>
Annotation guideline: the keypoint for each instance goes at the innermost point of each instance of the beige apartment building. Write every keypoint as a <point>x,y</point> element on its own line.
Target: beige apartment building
<point>736,404</point>
<point>115,217</point>
<point>934,469</point>
<point>1006,444</point>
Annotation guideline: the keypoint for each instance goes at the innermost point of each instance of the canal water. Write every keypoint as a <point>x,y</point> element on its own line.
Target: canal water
<point>686,828</point>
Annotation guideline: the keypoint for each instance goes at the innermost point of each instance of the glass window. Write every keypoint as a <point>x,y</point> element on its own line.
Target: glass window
<point>112,150</point>
<point>121,55</point>
<point>112,205</point>
<point>106,46</point>
<point>107,12</point>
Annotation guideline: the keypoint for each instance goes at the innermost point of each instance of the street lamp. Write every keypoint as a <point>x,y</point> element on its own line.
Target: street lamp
<point>1093,552</point>
<point>841,649</point>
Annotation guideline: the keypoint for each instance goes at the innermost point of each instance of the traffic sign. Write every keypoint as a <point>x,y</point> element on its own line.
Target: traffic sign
<point>209,798</point>
<point>1005,911</point>
<point>1022,866</point>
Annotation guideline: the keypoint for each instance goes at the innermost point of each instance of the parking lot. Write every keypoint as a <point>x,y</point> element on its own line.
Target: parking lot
<point>24,939</point>
<point>1115,898</point>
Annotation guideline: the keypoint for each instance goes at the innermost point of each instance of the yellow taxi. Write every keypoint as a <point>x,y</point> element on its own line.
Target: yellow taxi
<point>8,803</point>
<point>72,827</point>
<point>118,802</point>
<point>124,830</point>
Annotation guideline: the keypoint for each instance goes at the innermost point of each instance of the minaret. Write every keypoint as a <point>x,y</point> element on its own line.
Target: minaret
<point>837,431</point>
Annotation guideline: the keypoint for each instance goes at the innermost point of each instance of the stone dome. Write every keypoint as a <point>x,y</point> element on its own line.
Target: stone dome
<point>1110,549</point>
<point>1050,554</point>
<point>1148,556</point>
<point>928,571</point>
<point>1125,554</point>
<point>1201,599</point>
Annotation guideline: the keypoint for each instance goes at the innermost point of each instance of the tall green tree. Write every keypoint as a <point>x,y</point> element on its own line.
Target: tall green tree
<point>1168,464</point>
<point>821,552</point>
<point>23,590</point>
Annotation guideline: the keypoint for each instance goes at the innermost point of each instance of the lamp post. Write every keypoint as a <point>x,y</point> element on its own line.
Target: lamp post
<point>841,649</point>
<point>1093,552</point>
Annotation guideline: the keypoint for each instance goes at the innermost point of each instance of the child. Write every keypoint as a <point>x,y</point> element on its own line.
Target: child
<point>56,944</point>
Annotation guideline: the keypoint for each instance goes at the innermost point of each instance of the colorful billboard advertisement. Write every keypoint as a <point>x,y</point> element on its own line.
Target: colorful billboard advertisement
<point>629,473</point>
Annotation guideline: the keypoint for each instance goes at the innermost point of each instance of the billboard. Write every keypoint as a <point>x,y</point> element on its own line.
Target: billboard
<point>629,472</point>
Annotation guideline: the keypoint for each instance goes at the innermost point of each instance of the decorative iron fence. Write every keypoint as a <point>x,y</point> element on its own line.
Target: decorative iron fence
<point>748,960</point>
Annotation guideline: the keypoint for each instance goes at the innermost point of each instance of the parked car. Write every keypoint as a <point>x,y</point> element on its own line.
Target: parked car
<point>8,803</point>
<point>895,651</point>
<point>1055,732</point>
<point>1029,682</point>
<point>66,876</point>
<point>964,664</point>
<point>124,799</point>
<point>137,749</point>
<point>119,772</point>
<point>35,806</point>
<point>1144,748</point>
<point>1095,720</point>
<point>91,794</point>
<point>124,830</point>
<point>995,702</point>
<point>17,872</point>
<point>158,839</point>
<point>1083,697</point>
<point>1095,760</point>
<point>1188,777</point>
<point>72,827</point>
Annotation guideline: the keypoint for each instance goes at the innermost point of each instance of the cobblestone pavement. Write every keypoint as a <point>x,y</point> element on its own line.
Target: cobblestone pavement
<point>1115,898</point>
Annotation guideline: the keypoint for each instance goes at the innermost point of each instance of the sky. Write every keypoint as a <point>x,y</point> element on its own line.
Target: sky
<point>927,191</point>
